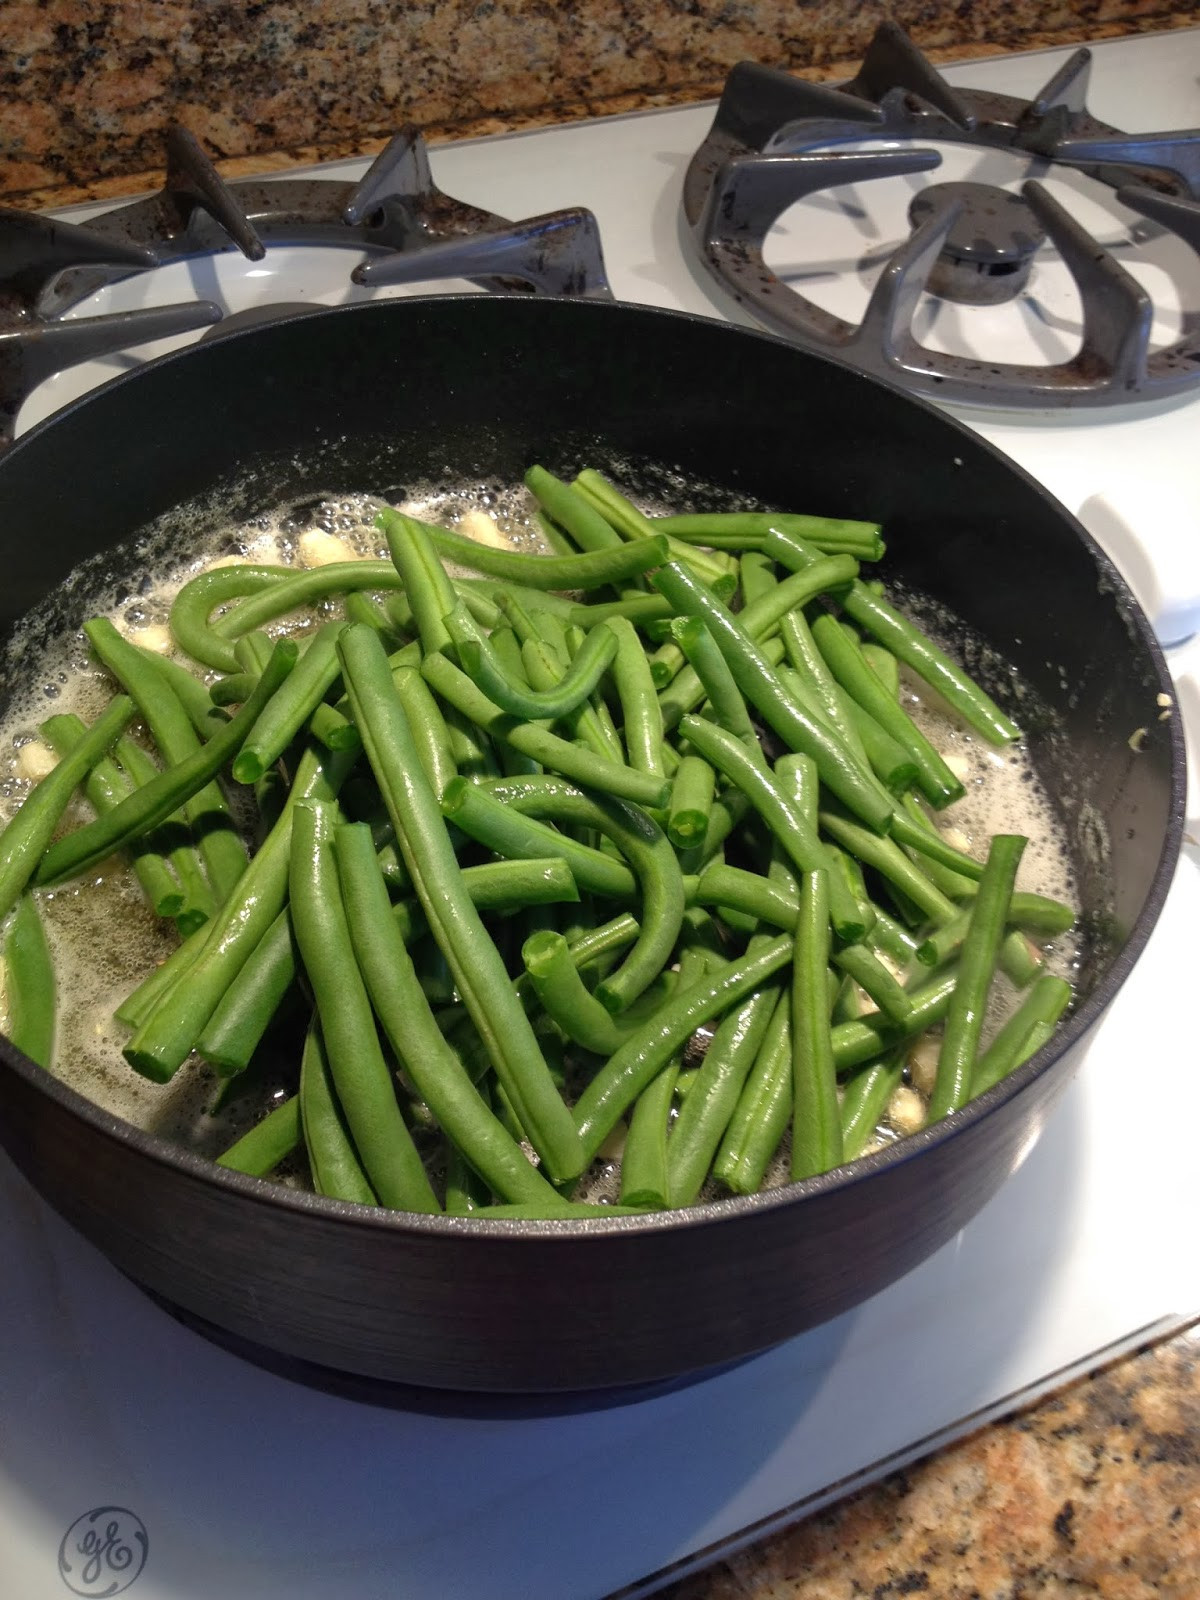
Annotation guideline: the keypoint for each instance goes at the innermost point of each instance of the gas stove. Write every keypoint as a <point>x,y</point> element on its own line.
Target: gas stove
<point>140,1458</point>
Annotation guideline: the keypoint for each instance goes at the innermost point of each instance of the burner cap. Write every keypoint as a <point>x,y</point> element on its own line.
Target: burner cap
<point>989,251</point>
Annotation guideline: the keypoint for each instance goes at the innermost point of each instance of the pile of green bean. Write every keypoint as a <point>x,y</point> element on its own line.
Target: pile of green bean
<point>515,849</point>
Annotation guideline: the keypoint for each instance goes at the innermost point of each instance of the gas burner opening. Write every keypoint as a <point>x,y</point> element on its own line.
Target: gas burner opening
<point>80,293</point>
<point>1022,274</point>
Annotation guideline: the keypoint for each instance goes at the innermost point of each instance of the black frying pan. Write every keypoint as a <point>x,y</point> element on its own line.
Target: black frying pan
<point>369,397</point>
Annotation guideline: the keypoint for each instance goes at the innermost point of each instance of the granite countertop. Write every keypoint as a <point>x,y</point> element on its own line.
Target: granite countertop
<point>1093,1491</point>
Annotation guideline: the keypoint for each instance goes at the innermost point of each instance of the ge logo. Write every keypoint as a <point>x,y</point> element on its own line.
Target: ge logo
<point>103,1551</point>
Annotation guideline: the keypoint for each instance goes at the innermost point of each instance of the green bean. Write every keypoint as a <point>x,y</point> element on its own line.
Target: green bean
<point>201,595</point>
<point>29,984</point>
<point>359,1072</point>
<point>1033,911</point>
<point>884,665</point>
<point>220,848</point>
<point>361,607</point>
<point>415,1038</point>
<point>482,664</point>
<point>192,695</point>
<point>590,722</point>
<point>302,588</point>
<point>566,999</point>
<point>888,759</point>
<point>291,706</point>
<point>154,802</point>
<point>511,834</point>
<point>269,1142</point>
<point>198,903</point>
<point>977,964</point>
<point>332,1159</point>
<point>640,714</point>
<point>763,1111</point>
<point>726,705</point>
<point>749,893</point>
<point>104,787</point>
<point>592,570</point>
<point>867,1037</point>
<point>795,835</point>
<point>245,1011</point>
<point>816,1125</point>
<point>138,1005</point>
<point>332,729</point>
<point>638,608</point>
<point>844,659</point>
<point>572,510</point>
<point>865,1098</point>
<point>887,858</point>
<point>166,1036</point>
<point>647,850</point>
<point>1023,1034</point>
<point>734,530</point>
<point>554,537</point>
<point>576,764</point>
<point>427,588</point>
<point>888,937</point>
<point>25,838</point>
<point>874,979</point>
<point>756,576</point>
<point>478,971</point>
<point>501,886</point>
<point>691,802</point>
<point>911,646</point>
<point>857,790</point>
<point>644,1153</point>
<point>233,688</point>
<point>706,1112</point>
<point>644,1054</point>
<point>429,730</point>
<point>631,524</point>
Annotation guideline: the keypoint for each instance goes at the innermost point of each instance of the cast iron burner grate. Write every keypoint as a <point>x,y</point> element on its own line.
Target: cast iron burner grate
<point>412,231</point>
<point>971,243</point>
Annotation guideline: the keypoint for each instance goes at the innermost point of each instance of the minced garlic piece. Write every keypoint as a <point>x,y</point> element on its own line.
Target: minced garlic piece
<point>483,529</point>
<point>155,637</point>
<point>35,760</point>
<point>922,1064</point>
<point>906,1110</point>
<point>320,549</point>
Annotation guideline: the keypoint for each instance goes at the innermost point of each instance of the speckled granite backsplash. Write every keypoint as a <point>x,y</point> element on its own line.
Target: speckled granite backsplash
<point>89,85</point>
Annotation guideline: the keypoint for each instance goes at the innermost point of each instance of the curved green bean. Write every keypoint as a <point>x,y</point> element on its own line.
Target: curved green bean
<point>576,764</point>
<point>199,598</point>
<point>592,570</point>
<point>482,664</point>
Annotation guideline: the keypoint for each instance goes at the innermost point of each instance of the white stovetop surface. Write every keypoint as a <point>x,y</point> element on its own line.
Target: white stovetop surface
<point>247,1486</point>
